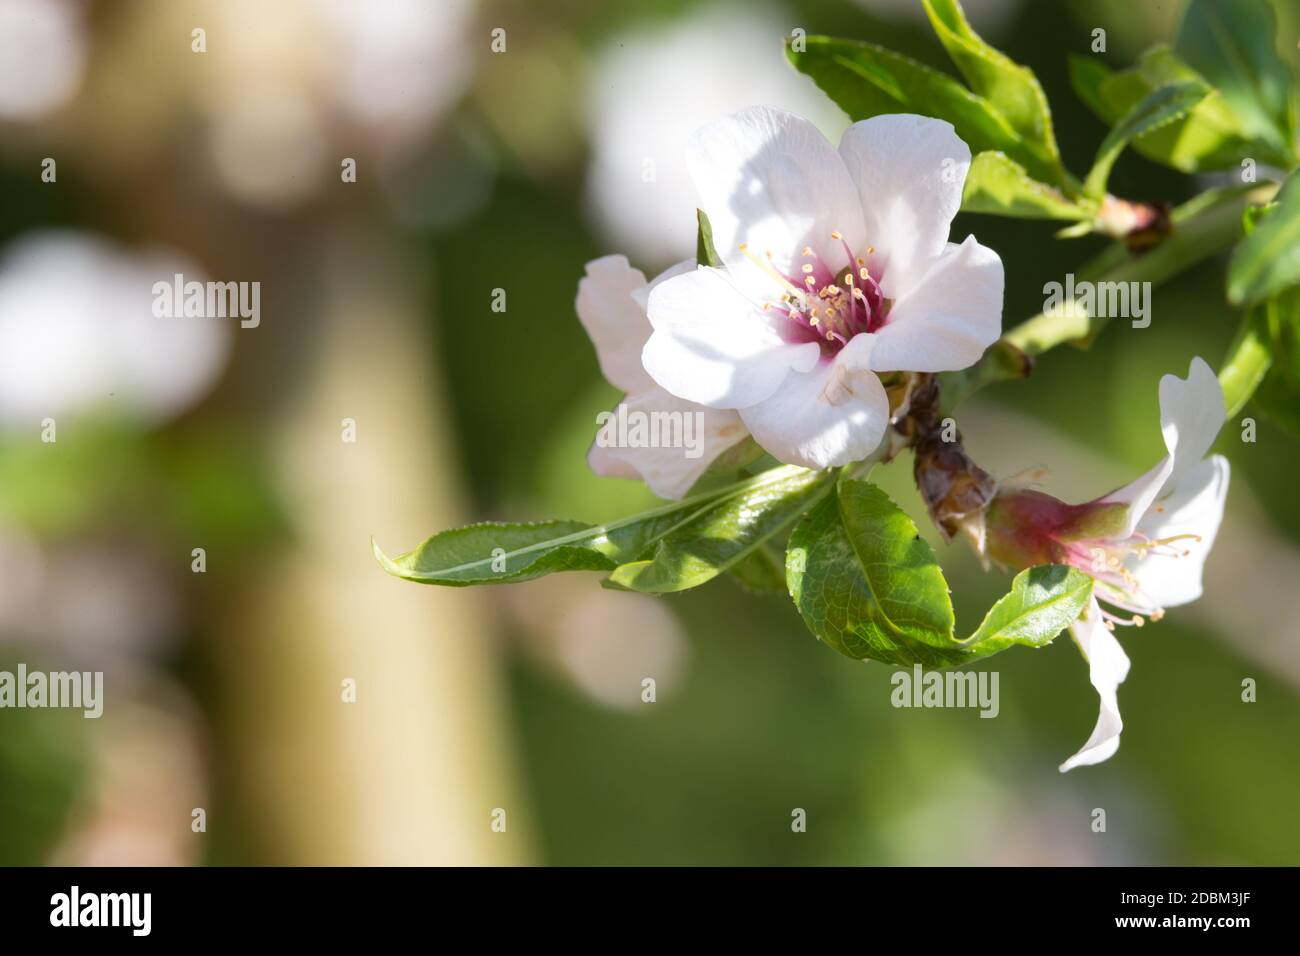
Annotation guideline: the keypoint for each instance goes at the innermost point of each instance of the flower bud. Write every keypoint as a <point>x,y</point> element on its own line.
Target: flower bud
<point>1024,528</point>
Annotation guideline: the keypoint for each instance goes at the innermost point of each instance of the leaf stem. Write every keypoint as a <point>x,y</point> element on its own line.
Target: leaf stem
<point>1203,227</point>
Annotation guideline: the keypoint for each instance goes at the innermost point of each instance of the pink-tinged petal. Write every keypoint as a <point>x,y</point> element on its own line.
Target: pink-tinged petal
<point>712,345</point>
<point>1171,575</point>
<point>1107,668</point>
<point>947,320</point>
<point>1191,413</point>
<point>770,180</point>
<point>606,460</point>
<point>834,414</point>
<point>615,321</point>
<point>909,172</point>
<point>684,439</point>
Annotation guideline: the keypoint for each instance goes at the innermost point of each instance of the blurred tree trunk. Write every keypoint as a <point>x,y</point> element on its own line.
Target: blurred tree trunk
<point>411,772</point>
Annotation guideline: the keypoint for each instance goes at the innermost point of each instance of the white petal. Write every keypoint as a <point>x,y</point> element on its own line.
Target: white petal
<point>1107,668</point>
<point>615,322</point>
<point>949,318</point>
<point>606,460</point>
<point>689,438</point>
<point>1141,493</point>
<point>1191,414</point>
<point>641,296</point>
<point>713,346</point>
<point>909,172</point>
<point>832,415</point>
<point>1194,508</point>
<point>771,180</point>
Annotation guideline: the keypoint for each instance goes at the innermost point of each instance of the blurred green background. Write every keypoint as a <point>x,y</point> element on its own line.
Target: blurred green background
<point>479,170</point>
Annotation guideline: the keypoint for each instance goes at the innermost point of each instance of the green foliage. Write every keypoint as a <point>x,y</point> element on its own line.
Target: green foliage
<point>1278,393</point>
<point>705,253</point>
<point>858,572</point>
<point>1209,137</point>
<point>1268,260</point>
<point>687,541</point>
<point>997,184</point>
<point>1232,46</point>
<point>1008,87</point>
<point>1263,361</point>
<point>725,534</point>
<point>1159,108</point>
<point>762,571</point>
<point>1249,358</point>
<point>867,585</point>
<point>867,80</point>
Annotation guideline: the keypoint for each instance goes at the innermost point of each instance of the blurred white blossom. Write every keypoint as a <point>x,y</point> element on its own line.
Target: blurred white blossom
<point>77,332</point>
<point>653,88</point>
<point>42,56</point>
<point>325,79</point>
<point>400,62</point>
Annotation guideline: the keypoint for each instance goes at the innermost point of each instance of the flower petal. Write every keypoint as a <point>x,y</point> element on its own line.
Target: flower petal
<point>1194,508</point>
<point>1140,493</point>
<point>641,296</point>
<point>1191,413</point>
<point>947,320</point>
<point>1107,668</point>
<point>771,180</point>
<point>713,346</point>
<point>909,172</point>
<point>679,441</point>
<point>832,415</point>
<point>615,321</point>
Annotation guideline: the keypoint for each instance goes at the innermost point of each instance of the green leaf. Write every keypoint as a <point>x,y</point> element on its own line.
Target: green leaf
<point>724,534</point>
<point>761,572</point>
<point>705,253</point>
<point>1231,45</point>
<point>500,553</point>
<point>868,586</point>
<point>1282,314</point>
<point>1278,395</point>
<point>1158,108</point>
<point>1268,260</point>
<point>1011,89</point>
<point>866,583</point>
<point>1042,602</point>
<point>867,80</point>
<point>1209,137</point>
<point>1087,76</point>
<point>1249,358</point>
<point>999,185</point>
